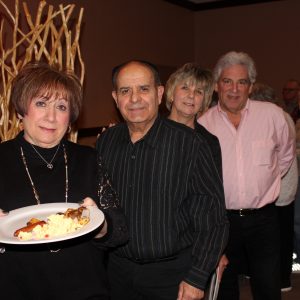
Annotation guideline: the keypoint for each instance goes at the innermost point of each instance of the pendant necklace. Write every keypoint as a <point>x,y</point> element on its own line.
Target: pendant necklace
<point>49,164</point>
<point>36,195</point>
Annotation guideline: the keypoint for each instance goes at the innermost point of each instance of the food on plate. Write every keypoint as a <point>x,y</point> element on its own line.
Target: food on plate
<point>29,227</point>
<point>56,225</point>
<point>77,213</point>
<point>33,221</point>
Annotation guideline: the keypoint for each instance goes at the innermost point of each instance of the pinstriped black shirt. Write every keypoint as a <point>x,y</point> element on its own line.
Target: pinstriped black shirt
<point>171,195</point>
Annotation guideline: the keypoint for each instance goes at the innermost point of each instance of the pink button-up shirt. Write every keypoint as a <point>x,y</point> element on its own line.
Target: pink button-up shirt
<point>255,155</point>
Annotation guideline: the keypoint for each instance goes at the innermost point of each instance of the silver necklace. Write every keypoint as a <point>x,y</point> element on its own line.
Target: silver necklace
<point>36,195</point>
<point>49,164</point>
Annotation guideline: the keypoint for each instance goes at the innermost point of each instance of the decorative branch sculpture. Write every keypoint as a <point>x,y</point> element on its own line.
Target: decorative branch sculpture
<point>43,39</point>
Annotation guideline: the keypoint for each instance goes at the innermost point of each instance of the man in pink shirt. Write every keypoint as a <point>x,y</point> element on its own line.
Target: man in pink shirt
<point>257,150</point>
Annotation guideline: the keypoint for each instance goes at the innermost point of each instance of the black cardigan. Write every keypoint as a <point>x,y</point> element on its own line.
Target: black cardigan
<point>213,144</point>
<point>77,270</point>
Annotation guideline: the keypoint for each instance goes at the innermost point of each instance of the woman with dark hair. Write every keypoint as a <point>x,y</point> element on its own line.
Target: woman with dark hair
<point>41,166</point>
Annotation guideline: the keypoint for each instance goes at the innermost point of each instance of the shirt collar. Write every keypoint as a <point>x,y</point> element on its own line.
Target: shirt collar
<point>150,137</point>
<point>246,108</point>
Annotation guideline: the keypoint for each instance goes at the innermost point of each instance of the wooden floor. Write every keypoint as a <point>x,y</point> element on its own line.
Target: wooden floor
<point>294,294</point>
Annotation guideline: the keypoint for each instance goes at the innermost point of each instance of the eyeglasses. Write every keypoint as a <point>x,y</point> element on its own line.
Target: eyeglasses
<point>285,90</point>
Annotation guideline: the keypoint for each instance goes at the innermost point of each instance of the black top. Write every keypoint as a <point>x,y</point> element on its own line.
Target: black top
<point>76,271</point>
<point>214,145</point>
<point>172,197</point>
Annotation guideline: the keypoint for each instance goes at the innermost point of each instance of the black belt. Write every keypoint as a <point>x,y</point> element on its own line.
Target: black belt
<point>142,261</point>
<point>249,211</point>
<point>151,261</point>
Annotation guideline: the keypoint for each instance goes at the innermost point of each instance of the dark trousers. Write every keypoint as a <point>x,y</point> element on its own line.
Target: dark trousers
<point>297,223</point>
<point>286,226</point>
<point>150,281</point>
<point>254,237</point>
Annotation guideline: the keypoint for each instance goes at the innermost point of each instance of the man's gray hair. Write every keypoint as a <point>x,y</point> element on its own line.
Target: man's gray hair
<point>235,58</point>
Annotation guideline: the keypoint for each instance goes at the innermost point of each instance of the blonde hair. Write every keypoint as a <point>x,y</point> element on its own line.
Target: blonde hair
<point>193,74</point>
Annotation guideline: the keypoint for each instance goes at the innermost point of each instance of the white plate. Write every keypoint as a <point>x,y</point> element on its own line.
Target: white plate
<point>19,217</point>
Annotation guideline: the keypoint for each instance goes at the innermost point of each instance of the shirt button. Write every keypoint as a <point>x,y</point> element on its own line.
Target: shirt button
<point>122,228</point>
<point>132,156</point>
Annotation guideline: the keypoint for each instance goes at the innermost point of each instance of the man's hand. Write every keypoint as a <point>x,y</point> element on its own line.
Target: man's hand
<point>222,265</point>
<point>189,292</point>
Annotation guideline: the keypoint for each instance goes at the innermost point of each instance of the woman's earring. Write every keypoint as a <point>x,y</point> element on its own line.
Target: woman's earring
<point>20,122</point>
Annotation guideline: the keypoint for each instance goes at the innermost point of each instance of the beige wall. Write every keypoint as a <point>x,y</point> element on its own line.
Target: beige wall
<point>269,32</point>
<point>117,30</point>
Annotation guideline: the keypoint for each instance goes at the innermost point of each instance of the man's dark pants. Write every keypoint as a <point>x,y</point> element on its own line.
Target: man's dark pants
<point>147,281</point>
<point>286,224</point>
<point>254,237</point>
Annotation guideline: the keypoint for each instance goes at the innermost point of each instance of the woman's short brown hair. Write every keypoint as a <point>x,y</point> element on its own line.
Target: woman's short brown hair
<point>193,74</point>
<point>40,79</point>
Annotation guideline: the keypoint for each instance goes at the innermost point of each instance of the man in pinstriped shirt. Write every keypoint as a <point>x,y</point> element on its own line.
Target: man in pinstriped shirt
<point>170,191</point>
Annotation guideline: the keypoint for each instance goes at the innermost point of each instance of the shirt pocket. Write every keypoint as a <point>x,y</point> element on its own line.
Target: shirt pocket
<point>262,151</point>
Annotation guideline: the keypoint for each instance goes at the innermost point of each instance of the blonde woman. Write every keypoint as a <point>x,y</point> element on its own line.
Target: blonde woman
<point>188,95</point>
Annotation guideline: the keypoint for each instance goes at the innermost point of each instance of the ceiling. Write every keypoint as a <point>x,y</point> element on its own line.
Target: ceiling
<point>197,5</point>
